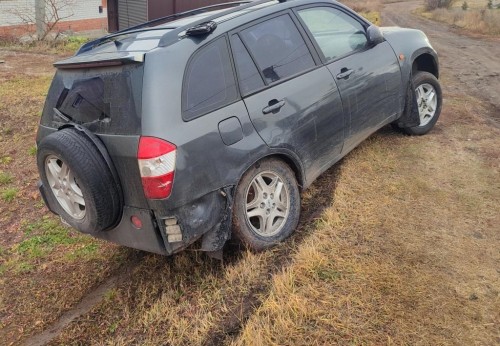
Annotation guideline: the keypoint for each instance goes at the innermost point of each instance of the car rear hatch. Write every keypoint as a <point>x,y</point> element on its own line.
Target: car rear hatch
<point>101,89</point>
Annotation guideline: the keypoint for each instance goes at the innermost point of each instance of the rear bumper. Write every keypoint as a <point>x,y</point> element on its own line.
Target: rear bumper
<point>147,238</point>
<point>192,221</point>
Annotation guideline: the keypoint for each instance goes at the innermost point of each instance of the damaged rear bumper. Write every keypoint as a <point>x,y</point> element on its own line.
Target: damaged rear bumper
<point>207,218</point>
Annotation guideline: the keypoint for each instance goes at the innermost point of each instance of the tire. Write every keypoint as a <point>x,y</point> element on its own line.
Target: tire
<point>260,218</point>
<point>78,183</point>
<point>429,108</point>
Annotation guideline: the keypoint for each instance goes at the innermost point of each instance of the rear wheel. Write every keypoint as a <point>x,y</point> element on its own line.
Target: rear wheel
<point>429,101</point>
<point>266,205</point>
<point>78,183</point>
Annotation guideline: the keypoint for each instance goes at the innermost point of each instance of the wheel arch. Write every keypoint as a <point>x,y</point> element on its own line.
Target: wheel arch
<point>427,63</point>
<point>289,159</point>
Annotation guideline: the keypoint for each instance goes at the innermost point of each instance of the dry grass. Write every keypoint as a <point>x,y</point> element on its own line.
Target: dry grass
<point>477,19</point>
<point>480,21</point>
<point>407,254</point>
<point>364,5</point>
<point>370,9</point>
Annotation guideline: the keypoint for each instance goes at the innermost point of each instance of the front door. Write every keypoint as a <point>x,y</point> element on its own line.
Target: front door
<point>368,77</point>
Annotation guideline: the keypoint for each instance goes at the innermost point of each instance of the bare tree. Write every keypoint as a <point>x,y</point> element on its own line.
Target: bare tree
<point>46,15</point>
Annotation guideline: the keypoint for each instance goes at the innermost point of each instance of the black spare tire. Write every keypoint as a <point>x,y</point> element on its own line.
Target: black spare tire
<point>79,184</point>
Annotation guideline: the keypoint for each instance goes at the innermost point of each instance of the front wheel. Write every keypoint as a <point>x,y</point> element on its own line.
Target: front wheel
<point>429,101</point>
<point>266,205</point>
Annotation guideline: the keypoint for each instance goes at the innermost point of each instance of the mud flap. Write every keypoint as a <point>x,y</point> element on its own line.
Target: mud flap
<point>213,241</point>
<point>41,188</point>
<point>410,116</point>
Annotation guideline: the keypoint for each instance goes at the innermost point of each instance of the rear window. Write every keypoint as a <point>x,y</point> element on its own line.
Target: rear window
<point>209,82</point>
<point>105,100</point>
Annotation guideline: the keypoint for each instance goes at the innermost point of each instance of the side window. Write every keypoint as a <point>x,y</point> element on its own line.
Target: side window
<point>277,48</point>
<point>248,75</point>
<point>209,82</point>
<point>335,32</point>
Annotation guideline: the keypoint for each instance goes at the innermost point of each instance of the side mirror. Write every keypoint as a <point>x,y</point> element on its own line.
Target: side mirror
<point>374,34</point>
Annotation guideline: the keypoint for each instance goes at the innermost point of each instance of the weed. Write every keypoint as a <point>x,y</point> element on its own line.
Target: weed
<point>5,178</point>
<point>23,267</point>
<point>328,274</point>
<point>110,295</point>
<point>8,195</point>
<point>32,150</point>
<point>5,160</point>
<point>86,251</point>
<point>112,328</point>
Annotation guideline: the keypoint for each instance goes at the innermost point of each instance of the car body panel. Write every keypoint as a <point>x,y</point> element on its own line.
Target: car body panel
<point>311,122</point>
<point>372,93</point>
<point>410,43</point>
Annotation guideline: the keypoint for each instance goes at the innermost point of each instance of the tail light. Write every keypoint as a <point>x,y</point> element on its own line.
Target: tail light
<point>156,159</point>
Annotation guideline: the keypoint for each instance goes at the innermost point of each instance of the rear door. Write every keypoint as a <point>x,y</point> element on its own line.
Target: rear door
<point>369,78</point>
<point>292,102</point>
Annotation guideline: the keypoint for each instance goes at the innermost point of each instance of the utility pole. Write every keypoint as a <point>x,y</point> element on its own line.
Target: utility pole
<point>40,17</point>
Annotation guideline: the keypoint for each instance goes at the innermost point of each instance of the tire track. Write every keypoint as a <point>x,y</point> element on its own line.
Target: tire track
<point>89,301</point>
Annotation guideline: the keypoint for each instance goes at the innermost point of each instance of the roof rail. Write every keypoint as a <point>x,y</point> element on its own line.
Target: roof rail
<point>167,38</point>
<point>236,6</point>
<point>89,45</point>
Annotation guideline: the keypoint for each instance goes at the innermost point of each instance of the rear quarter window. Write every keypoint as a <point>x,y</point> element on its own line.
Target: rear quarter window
<point>209,82</point>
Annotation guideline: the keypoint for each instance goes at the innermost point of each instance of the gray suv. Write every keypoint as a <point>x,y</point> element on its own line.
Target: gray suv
<point>207,124</point>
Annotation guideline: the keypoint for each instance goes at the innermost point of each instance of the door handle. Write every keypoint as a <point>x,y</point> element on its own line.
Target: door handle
<point>344,73</point>
<point>273,106</point>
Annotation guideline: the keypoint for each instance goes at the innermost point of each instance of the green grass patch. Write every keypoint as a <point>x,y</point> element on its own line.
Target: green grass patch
<point>87,251</point>
<point>5,178</point>
<point>60,46</point>
<point>32,150</point>
<point>44,236</point>
<point>8,195</point>
<point>72,43</point>
<point>23,267</point>
<point>5,160</point>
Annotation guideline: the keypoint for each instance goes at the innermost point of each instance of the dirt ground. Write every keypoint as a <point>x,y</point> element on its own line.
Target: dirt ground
<point>472,61</point>
<point>82,291</point>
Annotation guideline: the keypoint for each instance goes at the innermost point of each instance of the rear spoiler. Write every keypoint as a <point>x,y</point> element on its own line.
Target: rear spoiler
<point>100,60</point>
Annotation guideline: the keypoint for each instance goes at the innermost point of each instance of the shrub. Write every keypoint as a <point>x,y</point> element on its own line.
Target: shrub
<point>433,4</point>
